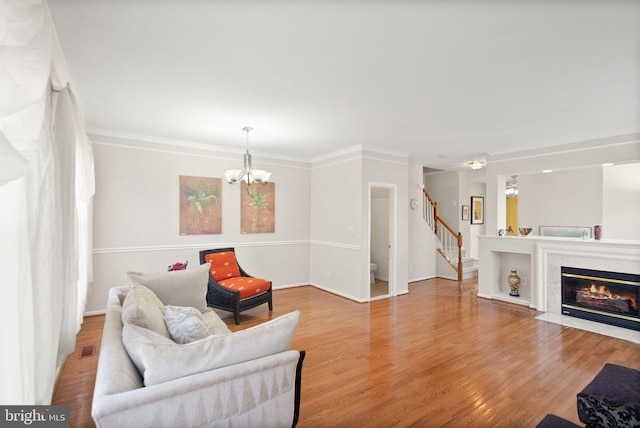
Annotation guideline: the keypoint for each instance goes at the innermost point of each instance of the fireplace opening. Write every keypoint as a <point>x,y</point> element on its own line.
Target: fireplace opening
<point>607,297</point>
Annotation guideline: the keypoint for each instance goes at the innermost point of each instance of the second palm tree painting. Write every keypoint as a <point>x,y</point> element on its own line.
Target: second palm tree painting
<point>257,208</point>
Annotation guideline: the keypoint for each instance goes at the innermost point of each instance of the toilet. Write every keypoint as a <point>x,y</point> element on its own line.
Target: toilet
<point>372,272</point>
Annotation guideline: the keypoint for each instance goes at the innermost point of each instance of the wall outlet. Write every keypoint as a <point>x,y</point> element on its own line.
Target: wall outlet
<point>328,275</point>
<point>523,280</point>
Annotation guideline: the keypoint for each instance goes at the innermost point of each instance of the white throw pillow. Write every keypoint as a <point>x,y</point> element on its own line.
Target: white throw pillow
<point>179,287</point>
<point>160,360</point>
<point>185,324</point>
<point>142,307</point>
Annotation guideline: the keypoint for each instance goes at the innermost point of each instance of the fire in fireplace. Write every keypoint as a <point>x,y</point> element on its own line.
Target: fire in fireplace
<point>607,297</point>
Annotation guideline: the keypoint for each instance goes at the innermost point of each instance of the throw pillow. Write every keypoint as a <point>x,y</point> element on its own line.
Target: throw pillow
<point>185,324</point>
<point>179,287</point>
<point>160,360</point>
<point>142,307</point>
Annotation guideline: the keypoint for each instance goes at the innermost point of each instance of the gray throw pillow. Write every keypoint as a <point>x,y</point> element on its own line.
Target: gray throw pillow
<point>142,307</point>
<point>178,288</point>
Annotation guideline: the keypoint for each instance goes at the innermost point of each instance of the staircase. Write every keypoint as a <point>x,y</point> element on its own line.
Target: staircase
<point>449,244</point>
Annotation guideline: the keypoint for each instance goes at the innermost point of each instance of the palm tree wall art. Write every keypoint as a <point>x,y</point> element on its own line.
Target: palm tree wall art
<point>257,208</point>
<point>200,205</point>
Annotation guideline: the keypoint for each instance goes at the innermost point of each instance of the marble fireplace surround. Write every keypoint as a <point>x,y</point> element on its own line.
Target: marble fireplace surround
<point>547,255</point>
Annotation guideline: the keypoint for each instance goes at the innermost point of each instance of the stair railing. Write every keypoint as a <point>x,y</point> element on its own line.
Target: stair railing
<point>449,241</point>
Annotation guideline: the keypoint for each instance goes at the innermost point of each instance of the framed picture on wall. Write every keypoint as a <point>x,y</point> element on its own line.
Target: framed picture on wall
<point>465,212</point>
<point>257,208</point>
<point>477,210</point>
<point>200,205</point>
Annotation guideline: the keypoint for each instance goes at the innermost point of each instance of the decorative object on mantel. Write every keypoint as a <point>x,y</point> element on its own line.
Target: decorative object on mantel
<point>514,283</point>
<point>525,231</point>
<point>178,266</point>
<point>597,232</point>
<point>566,231</point>
<point>247,174</point>
<point>501,232</point>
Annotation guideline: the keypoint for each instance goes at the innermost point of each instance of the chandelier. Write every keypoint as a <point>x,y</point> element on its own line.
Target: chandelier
<point>512,187</point>
<point>476,164</point>
<point>247,174</point>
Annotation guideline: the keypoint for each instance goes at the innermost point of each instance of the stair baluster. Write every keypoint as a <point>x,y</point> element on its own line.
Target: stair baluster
<point>449,241</point>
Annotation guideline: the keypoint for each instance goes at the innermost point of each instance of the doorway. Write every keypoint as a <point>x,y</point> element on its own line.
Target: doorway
<point>511,193</point>
<point>381,240</point>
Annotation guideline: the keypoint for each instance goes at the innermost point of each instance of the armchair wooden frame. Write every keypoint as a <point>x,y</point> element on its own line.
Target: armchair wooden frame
<point>229,300</point>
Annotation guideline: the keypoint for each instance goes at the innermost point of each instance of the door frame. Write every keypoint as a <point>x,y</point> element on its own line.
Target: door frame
<point>393,234</point>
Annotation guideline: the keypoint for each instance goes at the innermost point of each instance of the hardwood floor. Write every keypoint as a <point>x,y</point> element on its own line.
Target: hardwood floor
<point>437,357</point>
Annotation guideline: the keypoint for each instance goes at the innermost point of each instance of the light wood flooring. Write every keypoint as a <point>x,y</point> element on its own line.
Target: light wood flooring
<point>378,289</point>
<point>436,357</point>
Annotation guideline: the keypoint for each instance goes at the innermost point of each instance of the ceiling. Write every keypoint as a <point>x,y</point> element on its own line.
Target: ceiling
<point>445,82</point>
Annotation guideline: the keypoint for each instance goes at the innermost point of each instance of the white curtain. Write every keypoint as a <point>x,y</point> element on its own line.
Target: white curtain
<point>46,186</point>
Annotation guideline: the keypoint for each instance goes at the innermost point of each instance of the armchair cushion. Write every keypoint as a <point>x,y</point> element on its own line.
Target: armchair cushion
<point>179,287</point>
<point>223,265</point>
<point>159,359</point>
<point>247,286</point>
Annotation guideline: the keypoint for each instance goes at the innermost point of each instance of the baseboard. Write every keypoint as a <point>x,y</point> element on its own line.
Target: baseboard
<point>421,279</point>
<point>337,293</point>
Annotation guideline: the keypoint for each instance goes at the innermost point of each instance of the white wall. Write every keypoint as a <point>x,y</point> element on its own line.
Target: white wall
<point>136,215</point>
<point>443,187</point>
<point>621,202</point>
<point>475,230</point>
<point>619,150</point>
<point>336,226</point>
<point>422,241</point>
<point>562,198</point>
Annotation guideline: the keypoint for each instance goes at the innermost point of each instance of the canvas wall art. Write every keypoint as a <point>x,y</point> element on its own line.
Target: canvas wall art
<point>257,208</point>
<point>200,205</point>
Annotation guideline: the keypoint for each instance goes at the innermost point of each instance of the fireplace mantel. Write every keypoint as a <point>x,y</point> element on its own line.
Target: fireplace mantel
<point>539,259</point>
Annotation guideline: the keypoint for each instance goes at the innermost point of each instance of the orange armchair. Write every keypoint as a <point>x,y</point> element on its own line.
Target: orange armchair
<point>230,287</point>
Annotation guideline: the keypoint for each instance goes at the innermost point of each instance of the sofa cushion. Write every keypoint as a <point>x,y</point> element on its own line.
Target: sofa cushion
<point>160,360</point>
<point>215,323</point>
<point>179,287</point>
<point>223,265</point>
<point>246,285</point>
<point>142,307</point>
<point>185,324</point>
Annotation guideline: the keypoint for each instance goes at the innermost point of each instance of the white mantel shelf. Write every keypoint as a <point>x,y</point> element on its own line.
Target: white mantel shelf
<point>538,261</point>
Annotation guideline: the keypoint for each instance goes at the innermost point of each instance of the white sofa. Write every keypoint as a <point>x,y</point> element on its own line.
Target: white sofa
<point>263,391</point>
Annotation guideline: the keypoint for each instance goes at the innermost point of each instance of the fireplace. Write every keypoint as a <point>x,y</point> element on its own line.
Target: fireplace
<point>607,297</point>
